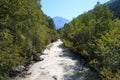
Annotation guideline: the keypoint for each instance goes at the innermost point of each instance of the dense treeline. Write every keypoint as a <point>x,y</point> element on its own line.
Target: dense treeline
<point>115,8</point>
<point>24,31</point>
<point>96,38</point>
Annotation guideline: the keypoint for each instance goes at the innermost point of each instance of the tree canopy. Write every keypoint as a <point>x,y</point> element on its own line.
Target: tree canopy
<point>95,37</point>
<point>24,31</point>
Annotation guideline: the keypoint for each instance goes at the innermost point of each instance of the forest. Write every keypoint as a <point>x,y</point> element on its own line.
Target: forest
<point>24,31</point>
<point>95,36</point>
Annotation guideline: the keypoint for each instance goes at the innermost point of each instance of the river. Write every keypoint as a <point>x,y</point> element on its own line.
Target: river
<point>59,64</point>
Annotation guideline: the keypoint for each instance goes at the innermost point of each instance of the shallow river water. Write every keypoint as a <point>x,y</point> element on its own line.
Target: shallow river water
<point>59,64</point>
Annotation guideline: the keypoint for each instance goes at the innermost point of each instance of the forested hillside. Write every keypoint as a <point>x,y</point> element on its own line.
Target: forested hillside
<point>115,8</point>
<point>24,31</point>
<point>96,38</point>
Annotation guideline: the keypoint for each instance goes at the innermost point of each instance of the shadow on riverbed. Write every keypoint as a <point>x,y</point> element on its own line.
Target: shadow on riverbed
<point>69,54</point>
<point>76,71</point>
<point>72,69</point>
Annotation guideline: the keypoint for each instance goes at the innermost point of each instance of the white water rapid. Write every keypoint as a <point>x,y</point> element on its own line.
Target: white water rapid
<point>58,64</point>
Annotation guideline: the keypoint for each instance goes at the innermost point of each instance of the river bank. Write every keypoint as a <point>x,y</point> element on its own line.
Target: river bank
<point>58,64</point>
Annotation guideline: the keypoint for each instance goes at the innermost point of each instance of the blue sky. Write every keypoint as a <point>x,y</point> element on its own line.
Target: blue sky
<point>68,9</point>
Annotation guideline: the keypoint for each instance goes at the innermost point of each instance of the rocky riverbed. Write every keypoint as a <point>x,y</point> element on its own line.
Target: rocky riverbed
<point>59,64</point>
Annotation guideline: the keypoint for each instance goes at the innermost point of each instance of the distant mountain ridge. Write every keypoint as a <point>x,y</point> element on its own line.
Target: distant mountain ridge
<point>59,22</point>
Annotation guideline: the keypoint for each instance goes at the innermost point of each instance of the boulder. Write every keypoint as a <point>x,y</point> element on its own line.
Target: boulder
<point>27,63</point>
<point>20,68</point>
<point>37,58</point>
<point>53,40</point>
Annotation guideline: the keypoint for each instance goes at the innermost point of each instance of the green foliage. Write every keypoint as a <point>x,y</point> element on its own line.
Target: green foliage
<point>51,24</point>
<point>95,37</point>
<point>52,32</point>
<point>4,78</point>
<point>24,31</point>
<point>115,8</point>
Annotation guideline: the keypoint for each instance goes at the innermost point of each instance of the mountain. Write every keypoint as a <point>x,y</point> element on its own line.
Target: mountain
<point>59,22</point>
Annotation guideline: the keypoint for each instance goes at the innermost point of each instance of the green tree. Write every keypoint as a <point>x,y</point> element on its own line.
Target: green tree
<point>95,37</point>
<point>24,31</point>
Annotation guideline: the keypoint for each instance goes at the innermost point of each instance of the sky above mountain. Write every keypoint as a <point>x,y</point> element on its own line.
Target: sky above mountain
<point>68,9</point>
